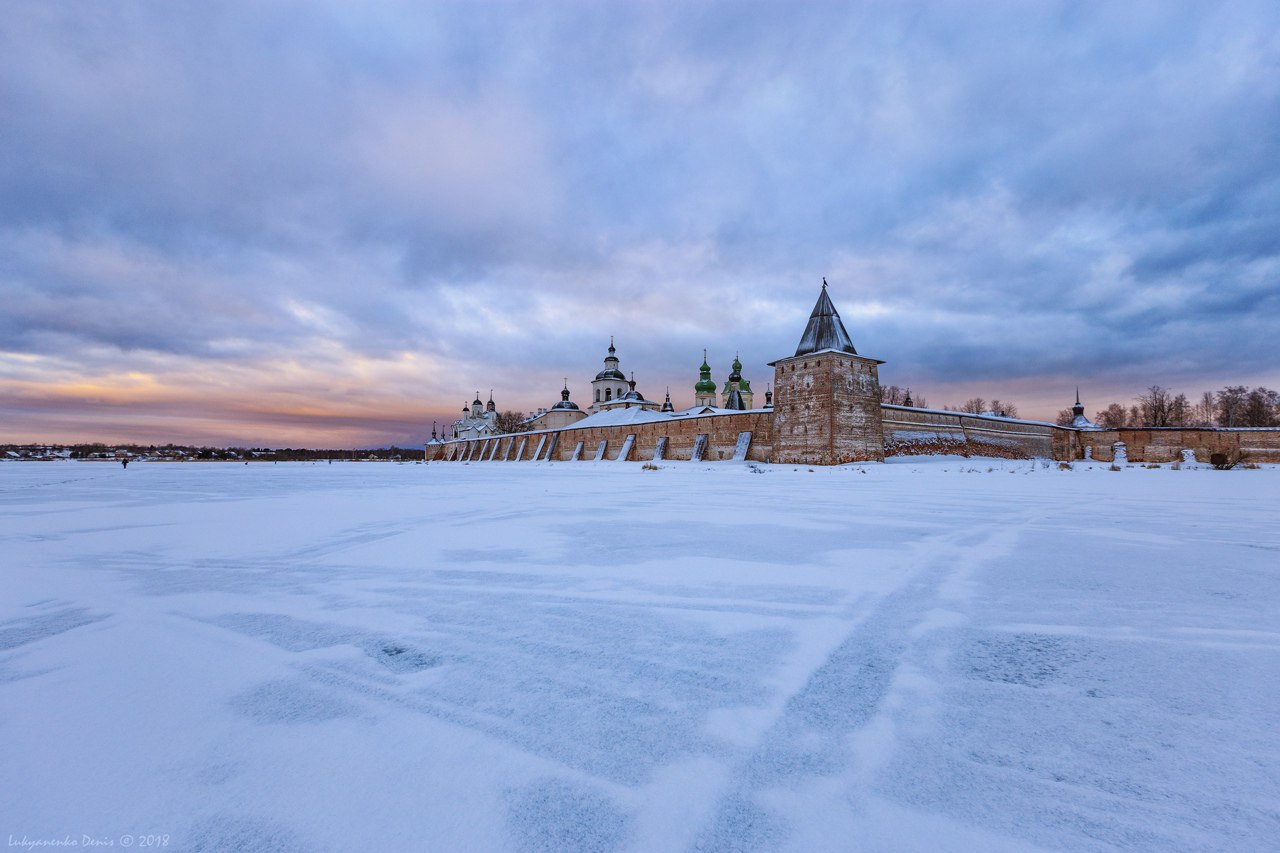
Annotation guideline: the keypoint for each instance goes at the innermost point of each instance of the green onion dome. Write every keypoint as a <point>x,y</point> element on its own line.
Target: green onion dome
<point>706,385</point>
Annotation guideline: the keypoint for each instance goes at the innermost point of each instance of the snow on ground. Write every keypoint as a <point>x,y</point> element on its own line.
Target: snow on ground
<point>925,655</point>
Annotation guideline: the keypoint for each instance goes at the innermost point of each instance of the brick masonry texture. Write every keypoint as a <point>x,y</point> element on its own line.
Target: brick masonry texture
<point>827,409</point>
<point>1164,444</point>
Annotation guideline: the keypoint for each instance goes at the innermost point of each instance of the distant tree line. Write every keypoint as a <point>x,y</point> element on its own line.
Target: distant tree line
<point>980,406</point>
<point>204,452</point>
<point>1233,406</point>
<point>892,395</point>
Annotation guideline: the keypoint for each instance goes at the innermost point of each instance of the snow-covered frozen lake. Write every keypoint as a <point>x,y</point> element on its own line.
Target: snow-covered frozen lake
<point>922,655</point>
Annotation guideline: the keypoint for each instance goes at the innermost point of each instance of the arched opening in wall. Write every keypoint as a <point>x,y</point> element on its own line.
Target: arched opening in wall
<point>608,394</point>
<point>597,395</point>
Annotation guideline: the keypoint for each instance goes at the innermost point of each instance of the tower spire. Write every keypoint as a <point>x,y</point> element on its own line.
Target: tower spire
<point>825,329</point>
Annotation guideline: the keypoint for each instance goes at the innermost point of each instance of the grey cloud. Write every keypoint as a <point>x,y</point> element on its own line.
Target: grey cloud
<point>1016,190</point>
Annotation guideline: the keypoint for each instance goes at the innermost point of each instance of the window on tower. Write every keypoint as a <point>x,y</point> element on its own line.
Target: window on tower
<point>608,394</point>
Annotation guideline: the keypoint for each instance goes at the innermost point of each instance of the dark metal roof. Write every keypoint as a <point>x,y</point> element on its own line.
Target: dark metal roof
<point>611,373</point>
<point>825,330</point>
<point>564,399</point>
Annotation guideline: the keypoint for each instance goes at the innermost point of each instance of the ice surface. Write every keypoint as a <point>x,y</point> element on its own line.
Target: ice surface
<point>933,654</point>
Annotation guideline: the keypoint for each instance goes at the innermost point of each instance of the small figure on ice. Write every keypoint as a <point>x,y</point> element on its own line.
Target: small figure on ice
<point>124,463</point>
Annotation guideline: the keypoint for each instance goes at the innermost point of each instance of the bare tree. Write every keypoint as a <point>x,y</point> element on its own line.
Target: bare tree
<point>975,406</point>
<point>510,421</point>
<point>1205,411</point>
<point>1008,410</point>
<point>1180,411</point>
<point>1231,405</point>
<point>1112,417</point>
<point>894,395</point>
<point>1260,407</point>
<point>1153,407</point>
<point>1065,417</point>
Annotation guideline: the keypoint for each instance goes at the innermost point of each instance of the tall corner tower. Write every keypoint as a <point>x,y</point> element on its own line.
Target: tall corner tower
<point>826,403</point>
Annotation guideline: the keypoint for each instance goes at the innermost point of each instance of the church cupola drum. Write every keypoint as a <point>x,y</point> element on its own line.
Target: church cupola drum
<point>610,383</point>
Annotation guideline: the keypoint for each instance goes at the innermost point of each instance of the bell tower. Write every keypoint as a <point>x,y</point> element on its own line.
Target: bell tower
<point>826,401</point>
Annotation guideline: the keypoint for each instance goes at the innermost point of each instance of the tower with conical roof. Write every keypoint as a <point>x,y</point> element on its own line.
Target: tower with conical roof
<point>704,392</point>
<point>826,403</point>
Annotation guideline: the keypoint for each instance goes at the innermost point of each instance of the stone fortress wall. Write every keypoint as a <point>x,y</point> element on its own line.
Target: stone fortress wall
<point>1165,444</point>
<point>827,412</point>
<point>907,432</point>
<point>713,437</point>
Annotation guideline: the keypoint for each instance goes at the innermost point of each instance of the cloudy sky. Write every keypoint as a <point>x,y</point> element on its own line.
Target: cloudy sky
<point>330,224</point>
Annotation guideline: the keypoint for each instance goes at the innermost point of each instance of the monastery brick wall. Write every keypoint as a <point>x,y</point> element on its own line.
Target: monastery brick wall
<point>1163,444</point>
<point>905,432</point>
<point>915,432</point>
<point>827,411</point>
<point>722,433</point>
